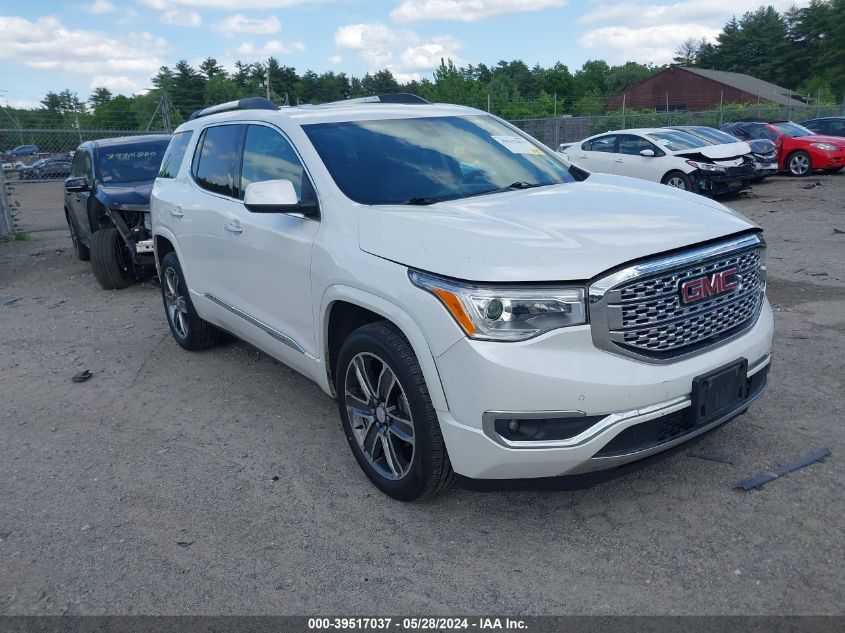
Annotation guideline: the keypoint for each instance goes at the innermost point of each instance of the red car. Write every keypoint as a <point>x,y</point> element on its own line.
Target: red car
<point>800,151</point>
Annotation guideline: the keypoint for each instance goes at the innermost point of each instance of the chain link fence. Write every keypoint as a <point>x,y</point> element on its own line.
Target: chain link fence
<point>569,129</point>
<point>30,186</point>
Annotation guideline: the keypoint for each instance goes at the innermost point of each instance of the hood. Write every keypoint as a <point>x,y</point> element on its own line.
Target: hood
<point>125,196</point>
<point>715,152</point>
<point>571,231</point>
<point>822,138</point>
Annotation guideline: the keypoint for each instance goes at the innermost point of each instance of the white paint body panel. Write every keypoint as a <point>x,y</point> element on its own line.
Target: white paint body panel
<point>288,271</point>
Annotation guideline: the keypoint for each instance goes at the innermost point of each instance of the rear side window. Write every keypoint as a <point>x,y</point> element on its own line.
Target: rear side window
<point>602,144</point>
<point>269,156</point>
<point>175,153</point>
<point>214,159</point>
<point>633,145</point>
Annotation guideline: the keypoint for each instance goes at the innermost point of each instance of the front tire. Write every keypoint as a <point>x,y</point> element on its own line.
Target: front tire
<point>387,415</point>
<point>110,260</point>
<point>190,330</point>
<point>799,164</point>
<point>679,180</point>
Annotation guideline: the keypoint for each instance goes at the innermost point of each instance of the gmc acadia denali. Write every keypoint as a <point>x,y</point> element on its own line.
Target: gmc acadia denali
<point>476,305</point>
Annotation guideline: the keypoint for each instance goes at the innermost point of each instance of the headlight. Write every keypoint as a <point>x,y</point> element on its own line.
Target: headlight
<point>705,166</point>
<point>825,146</point>
<point>505,313</point>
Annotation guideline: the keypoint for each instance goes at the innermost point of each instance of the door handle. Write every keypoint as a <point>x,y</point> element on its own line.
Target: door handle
<point>619,160</point>
<point>583,156</point>
<point>233,227</point>
<point>176,212</point>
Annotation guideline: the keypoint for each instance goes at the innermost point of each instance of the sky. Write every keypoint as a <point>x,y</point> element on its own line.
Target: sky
<point>49,45</point>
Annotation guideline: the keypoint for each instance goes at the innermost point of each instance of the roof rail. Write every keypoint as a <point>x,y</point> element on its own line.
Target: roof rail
<point>395,97</point>
<point>248,103</point>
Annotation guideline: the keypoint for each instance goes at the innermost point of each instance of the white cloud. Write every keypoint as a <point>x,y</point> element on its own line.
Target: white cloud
<point>226,4</point>
<point>46,44</point>
<point>127,16</point>
<point>713,13</point>
<point>181,18</point>
<point>23,104</point>
<point>119,83</point>
<point>98,7</point>
<point>269,49</point>
<point>335,60</point>
<point>401,51</point>
<point>656,44</point>
<point>241,24</point>
<point>650,32</point>
<point>466,10</point>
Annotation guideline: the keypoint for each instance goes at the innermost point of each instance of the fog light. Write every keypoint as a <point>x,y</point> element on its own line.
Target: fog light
<point>513,426</point>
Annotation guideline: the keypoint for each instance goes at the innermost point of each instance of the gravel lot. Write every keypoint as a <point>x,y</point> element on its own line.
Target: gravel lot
<point>221,483</point>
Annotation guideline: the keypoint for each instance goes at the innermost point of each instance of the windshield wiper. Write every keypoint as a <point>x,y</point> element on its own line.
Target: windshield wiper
<point>423,200</point>
<point>521,184</point>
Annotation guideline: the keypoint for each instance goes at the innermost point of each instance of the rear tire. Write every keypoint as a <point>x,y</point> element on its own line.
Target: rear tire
<point>111,261</point>
<point>387,415</point>
<point>679,180</point>
<point>83,253</point>
<point>799,164</point>
<point>191,331</point>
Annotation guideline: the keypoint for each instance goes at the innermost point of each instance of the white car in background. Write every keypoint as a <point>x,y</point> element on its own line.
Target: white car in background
<point>671,157</point>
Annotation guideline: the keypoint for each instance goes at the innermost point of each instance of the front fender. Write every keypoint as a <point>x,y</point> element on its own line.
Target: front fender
<point>404,321</point>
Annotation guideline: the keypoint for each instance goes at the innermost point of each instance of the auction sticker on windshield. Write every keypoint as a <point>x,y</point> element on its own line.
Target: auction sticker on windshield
<point>518,145</point>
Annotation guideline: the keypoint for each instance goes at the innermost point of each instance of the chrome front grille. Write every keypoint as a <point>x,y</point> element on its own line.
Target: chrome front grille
<point>639,312</point>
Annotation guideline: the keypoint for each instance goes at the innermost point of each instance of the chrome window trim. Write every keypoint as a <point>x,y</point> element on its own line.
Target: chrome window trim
<point>597,295</point>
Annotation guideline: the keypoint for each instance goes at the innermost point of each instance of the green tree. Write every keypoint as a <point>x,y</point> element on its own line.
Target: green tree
<point>99,97</point>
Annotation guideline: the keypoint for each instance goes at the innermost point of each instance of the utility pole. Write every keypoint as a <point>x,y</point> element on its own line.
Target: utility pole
<point>623,110</point>
<point>721,104</point>
<point>267,80</point>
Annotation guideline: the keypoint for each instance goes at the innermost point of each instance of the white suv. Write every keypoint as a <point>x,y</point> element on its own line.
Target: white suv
<point>476,305</point>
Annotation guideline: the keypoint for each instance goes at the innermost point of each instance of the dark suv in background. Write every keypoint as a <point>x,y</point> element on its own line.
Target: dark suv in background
<point>831,125</point>
<point>107,206</point>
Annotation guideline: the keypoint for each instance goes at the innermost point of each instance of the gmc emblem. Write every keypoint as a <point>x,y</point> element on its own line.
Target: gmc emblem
<point>718,283</point>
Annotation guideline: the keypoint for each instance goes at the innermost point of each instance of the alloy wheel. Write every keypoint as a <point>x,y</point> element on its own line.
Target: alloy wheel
<point>379,415</point>
<point>799,164</point>
<point>177,309</point>
<point>677,181</point>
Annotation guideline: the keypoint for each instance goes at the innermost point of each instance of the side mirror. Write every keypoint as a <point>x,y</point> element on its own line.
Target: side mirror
<point>649,153</point>
<point>277,196</point>
<point>78,184</point>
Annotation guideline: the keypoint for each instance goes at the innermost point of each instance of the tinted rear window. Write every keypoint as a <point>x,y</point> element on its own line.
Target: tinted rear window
<point>175,153</point>
<point>214,159</point>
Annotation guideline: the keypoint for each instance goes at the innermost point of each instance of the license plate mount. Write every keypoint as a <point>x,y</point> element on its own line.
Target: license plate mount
<point>719,391</point>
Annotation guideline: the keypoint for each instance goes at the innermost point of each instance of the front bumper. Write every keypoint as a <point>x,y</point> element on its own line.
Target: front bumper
<point>564,373</point>
<point>736,179</point>
<point>827,160</point>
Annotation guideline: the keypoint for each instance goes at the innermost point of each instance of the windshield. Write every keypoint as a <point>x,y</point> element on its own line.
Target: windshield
<point>130,163</point>
<point>676,141</point>
<point>716,137</point>
<point>791,129</point>
<point>426,160</point>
